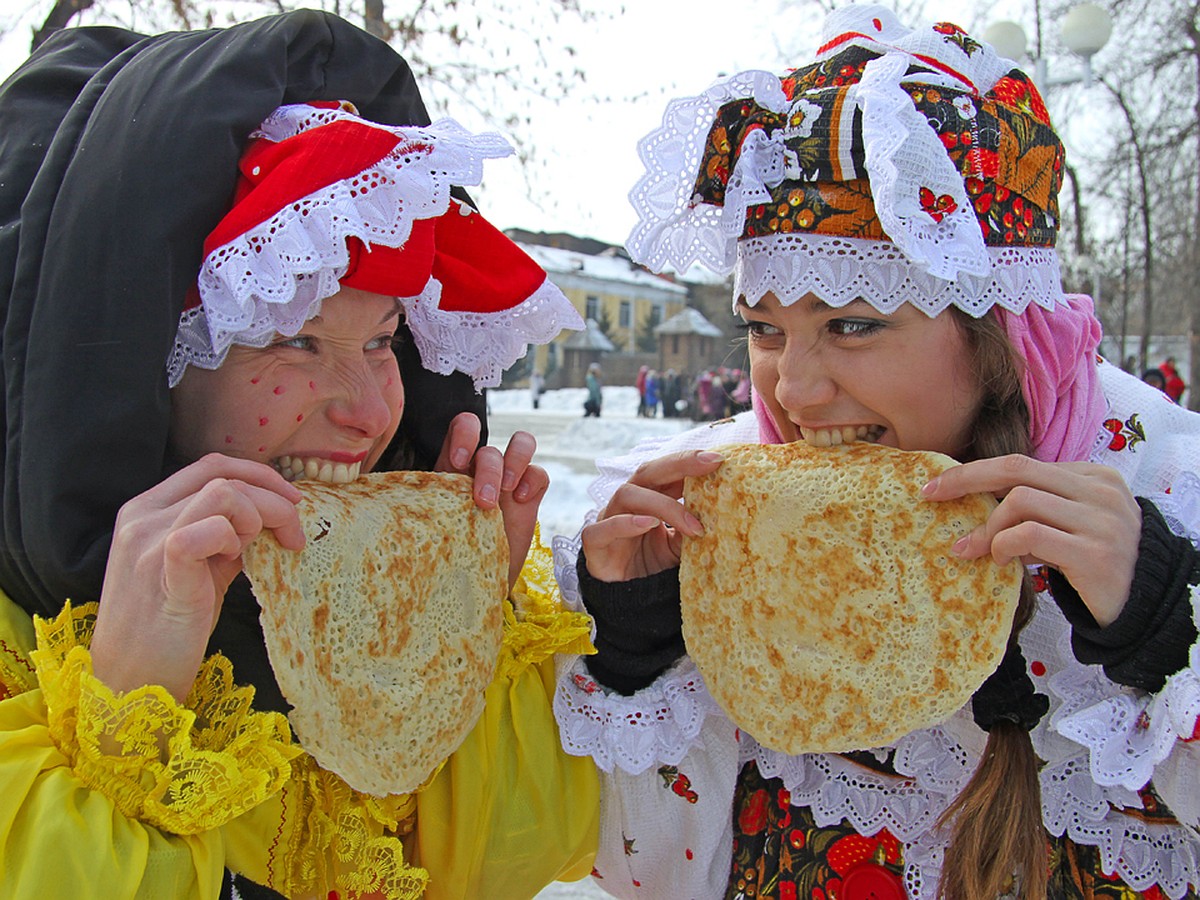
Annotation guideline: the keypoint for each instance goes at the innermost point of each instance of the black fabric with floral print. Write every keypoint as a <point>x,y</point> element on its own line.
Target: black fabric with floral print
<point>1002,144</point>
<point>780,853</point>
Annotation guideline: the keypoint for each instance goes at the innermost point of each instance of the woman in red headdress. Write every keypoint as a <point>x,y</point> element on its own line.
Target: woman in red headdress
<point>233,259</point>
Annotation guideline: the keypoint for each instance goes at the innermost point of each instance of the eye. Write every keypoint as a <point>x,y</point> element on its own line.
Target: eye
<point>756,329</point>
<point>383,342</point>
<point>297,342</point>
<point>853,327</point>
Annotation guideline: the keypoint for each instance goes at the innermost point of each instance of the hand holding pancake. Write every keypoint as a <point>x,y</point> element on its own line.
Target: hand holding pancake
<point>640,532</point>
<point>175,550</point>
<point>508,480</point>
<point>1079,518</point>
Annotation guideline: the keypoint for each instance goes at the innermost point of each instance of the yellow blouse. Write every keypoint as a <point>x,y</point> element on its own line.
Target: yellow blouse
<point>137,796</point>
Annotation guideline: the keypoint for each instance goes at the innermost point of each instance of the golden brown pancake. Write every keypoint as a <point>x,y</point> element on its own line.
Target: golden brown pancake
<point>823,606</point>
<point>385,630</point>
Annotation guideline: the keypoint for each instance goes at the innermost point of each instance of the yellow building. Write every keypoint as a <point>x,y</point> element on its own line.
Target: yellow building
<point>627,301</point>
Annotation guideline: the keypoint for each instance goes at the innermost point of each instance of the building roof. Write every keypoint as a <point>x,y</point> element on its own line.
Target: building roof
<point>689,321</point>
<point>591,338</point>
<point>602,268</point>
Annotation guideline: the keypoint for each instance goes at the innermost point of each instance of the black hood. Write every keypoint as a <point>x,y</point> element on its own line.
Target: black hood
<point>118,155</point>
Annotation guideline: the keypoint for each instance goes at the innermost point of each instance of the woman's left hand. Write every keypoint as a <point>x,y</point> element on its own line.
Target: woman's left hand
<point>1079,518</point>
<point>507,480</point>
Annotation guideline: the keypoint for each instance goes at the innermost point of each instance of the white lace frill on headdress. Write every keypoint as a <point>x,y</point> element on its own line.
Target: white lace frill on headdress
<point>272,278</point>
<point>931,264</point>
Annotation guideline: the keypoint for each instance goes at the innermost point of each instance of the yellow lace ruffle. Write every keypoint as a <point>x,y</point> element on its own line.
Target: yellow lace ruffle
<point>182,769</point>
<point>344,838</point>
<point>536,626</point>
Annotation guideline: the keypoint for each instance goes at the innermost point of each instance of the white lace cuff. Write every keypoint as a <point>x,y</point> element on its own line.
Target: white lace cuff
<point>655,726</point>
<point>1127,735</point>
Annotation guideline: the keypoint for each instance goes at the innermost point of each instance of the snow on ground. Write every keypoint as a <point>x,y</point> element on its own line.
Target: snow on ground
<point>569,445</point>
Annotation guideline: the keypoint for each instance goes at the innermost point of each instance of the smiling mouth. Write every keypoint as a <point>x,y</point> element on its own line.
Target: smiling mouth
<point>314,468</point>
<point>847,434</point>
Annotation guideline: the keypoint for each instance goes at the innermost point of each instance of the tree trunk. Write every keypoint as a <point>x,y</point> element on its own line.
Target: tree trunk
<point>373,20</point>
<point>60,14</point>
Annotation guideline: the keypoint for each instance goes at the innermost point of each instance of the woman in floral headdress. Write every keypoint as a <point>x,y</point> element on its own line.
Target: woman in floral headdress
<point>889,213</point>
<point>232,259</point>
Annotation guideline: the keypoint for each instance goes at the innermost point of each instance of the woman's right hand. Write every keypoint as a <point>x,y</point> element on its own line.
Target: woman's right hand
<point>640,532</point>
<point>175,550</point>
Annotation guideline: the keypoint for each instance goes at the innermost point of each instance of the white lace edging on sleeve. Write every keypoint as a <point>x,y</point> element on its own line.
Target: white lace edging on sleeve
<point>655,726</point>
<point>1128,734</point>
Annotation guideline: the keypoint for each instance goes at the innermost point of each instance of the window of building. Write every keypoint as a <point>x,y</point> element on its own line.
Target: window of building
<point>626,314</point>
<point>656,315</point>
<point>593,308</point>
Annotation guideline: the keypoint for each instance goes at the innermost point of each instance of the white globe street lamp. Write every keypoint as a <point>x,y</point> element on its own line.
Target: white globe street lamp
<point>1085,30</point>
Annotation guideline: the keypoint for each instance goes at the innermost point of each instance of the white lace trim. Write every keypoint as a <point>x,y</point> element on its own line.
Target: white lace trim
<point>656,726</point>
<point>269,279</point>
<point>839,270</point>
<point>483,345</point>
<point>902,155</point>
<point>672,230</point>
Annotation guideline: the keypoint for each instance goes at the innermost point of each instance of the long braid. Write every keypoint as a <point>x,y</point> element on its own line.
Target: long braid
<point>996,819</point>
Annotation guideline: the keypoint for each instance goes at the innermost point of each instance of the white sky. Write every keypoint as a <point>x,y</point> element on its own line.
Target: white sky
<point>655,50</point>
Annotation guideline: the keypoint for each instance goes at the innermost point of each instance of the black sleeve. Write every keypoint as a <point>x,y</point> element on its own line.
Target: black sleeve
<point>639,629</point>
<point>1150,640</point>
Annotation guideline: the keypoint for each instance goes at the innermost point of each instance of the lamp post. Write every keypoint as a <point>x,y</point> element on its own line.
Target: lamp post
<point>1085,29</point>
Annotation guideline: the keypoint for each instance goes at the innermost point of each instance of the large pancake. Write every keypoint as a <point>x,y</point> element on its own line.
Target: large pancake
<point>823,606</point>
<point>385,630</point>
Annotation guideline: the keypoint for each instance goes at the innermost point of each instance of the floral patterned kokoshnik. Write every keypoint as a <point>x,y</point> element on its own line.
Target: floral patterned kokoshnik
<point>1002,145</point>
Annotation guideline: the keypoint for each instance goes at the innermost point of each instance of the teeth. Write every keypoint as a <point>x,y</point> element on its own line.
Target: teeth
<point>847,434</point>
<point>317,469</point>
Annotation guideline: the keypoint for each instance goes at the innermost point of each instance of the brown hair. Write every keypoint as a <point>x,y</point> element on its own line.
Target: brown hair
<point>996,820</point>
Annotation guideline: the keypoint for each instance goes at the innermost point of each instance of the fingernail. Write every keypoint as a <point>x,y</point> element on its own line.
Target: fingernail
<point>521,493</point>
<point>461,457</point>
<point>960,546</point>
<point>709,456</point>
<point>929,488</point>
<point>509,479</point>
<point>488,493</point>
<point>646,522</point>
<point>693,524</point>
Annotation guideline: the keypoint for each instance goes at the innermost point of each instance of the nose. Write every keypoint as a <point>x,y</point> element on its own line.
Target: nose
<point>805,382</point>
<point>363,400</point>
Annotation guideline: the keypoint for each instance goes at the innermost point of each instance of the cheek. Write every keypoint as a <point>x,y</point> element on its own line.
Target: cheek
<point>265,410</point>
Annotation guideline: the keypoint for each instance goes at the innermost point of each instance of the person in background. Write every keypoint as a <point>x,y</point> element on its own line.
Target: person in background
<point>889,213</point>
<point>640,384</point>
<point>1174,385</point>
<point>653,384</point>
<point>1155,378</point>
<point>537,387</point>
<point>593,382</point>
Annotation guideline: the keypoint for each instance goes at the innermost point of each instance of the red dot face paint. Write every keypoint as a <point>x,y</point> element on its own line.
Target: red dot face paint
<point>312,385</point>
<point>263,421</point>
<point>300,418</point>
<point>254,381</point>
<point>262,449</point>
<point>228,439</point>
<point>278,389</point>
